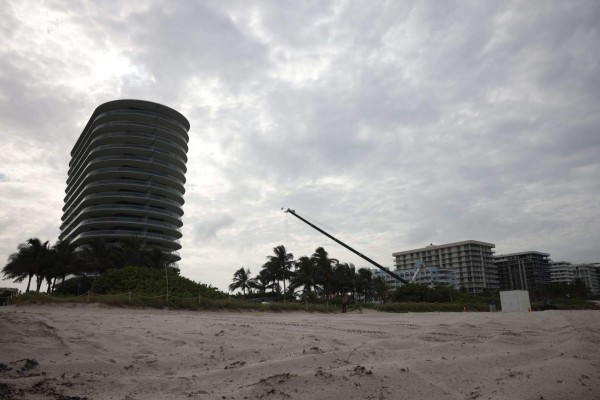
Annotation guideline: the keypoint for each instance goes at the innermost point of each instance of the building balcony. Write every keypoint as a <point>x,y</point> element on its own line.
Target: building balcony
<point>107,223</point>
<point>124,198</point>
<point>120,173</point>
<point>166,241</point>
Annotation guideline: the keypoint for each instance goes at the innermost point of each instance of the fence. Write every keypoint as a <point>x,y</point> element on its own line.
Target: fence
<point>210,303</point>
<point>90,296</point>
<point>173,301</point>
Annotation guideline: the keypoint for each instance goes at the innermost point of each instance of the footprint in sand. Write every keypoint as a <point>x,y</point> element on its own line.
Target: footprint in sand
<point>145,356</point>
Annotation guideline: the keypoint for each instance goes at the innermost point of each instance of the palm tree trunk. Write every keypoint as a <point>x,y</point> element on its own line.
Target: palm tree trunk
<point>39,280</point>
<point>29,282</point>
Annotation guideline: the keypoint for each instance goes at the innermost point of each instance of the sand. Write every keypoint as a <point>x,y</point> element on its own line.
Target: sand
<point>91,351</point>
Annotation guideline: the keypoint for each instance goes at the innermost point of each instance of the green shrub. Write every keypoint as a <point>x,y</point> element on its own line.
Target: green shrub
<point>429,307</point>
<point>74,286</point>
<point>150,282</point>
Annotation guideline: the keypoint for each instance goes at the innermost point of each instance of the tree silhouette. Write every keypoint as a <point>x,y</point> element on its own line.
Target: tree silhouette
<point>262,281</point>
<point>241,280</point>
<point>364,282</point>
<point>280,265</point>
<point>97,256</point>
<point>305,276</point>
<point>67,260</point>
<point>325,266</point>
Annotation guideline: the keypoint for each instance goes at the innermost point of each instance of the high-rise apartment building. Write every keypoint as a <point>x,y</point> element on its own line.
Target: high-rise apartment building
<point>126,176</point>
<point>527,270</point>
<point>565,272</point>
<point>470,262</point>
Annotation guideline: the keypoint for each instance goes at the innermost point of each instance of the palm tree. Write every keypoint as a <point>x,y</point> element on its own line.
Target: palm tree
<point>305,276</point>
<point>380,288</point>
<point>40,257</point>
<point>364,282</point>
<point>67,259</point>
<point>325,268</point>
<point>281,263</point>
<point>261,282</point>
<point>33,258</point>
<point>50,268</point>
<point>21,265</point>
<point>241,280</point>
<point>156,258</point>
<point>344,278</point>
<point>131,251</point>
<point>97,256</point>
<point>270,271</point>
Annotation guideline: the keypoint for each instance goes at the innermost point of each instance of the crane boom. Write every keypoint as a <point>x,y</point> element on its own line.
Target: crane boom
<point>387,271</point>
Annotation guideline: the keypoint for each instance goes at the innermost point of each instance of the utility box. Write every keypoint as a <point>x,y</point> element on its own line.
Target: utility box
<point>515,300</point>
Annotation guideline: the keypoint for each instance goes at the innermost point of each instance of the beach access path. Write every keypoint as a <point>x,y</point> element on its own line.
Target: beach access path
<point>71,352</point>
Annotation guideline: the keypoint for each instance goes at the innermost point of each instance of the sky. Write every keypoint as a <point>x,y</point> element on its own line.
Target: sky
<point>393,124</point>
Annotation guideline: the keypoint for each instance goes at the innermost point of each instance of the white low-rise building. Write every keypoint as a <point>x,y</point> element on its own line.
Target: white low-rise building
<point>566,272</point>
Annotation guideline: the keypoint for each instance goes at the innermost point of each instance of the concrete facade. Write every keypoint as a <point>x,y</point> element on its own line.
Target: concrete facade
<point>469,262</point>
<point>565,272</point>
<point>528,270</point>
<point>562,272</point>
<point>430,276</point>
<point>126,176</point>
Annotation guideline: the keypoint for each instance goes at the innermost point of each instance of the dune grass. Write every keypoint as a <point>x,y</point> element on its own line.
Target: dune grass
<point>233,304</point>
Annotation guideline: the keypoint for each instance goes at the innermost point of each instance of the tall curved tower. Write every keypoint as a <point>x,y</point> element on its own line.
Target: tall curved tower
<point>127,175</point>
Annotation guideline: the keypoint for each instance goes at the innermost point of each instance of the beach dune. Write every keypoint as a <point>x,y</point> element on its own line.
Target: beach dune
<point>72,352</point>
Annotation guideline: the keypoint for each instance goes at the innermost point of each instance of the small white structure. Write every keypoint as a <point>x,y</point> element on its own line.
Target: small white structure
<point>515,300</point>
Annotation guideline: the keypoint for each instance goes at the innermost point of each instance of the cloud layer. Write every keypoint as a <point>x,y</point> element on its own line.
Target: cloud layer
<point>397,125</point>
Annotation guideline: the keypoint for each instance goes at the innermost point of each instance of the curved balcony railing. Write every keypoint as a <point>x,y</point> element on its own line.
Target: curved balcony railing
<point>119,208</point>
<point>137,146</point>
<point>77,163</point>
<point>138,135</point>
<point>72,190</point>
<point>148,161</point>
<point>74,219</point>
<point>124,195</point>
<point>138,221</point>
<point>127,233</point>
<point>134,222</point>
<point>174,255</point>
<point>155,113</point>
<point>85,146</point>
<point>131,125</point>
<point>143,113</point>
<point>138,158</point>
<point>140,185</point>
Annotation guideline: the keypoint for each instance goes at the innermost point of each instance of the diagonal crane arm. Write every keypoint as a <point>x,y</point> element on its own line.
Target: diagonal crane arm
<point>387,271</point>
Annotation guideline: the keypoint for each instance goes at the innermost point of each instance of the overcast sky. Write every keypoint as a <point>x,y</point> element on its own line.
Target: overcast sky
<point>397,124</point>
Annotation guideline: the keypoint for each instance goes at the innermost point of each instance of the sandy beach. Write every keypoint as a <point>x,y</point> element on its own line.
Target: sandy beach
<point>72,352</point>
